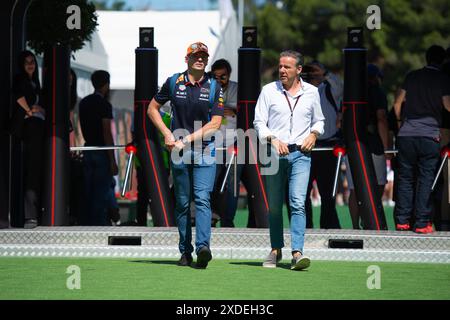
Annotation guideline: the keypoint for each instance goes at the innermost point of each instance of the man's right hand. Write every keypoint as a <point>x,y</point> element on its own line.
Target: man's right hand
<point>280,147</point>
<point>37,108</point>
<point>169,141</point>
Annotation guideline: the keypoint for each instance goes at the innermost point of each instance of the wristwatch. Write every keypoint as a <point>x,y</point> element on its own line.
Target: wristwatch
<point>270,138</point>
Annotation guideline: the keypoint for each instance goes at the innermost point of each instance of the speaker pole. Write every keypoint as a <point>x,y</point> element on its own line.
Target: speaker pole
<point>355,132</point>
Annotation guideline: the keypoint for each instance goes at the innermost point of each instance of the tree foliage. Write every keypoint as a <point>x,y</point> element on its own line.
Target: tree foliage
<point>47,24</point>
<point>318,29</point>
<point>115,5</point>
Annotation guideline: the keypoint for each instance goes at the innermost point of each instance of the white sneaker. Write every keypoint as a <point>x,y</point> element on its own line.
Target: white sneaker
<point>300,262</point>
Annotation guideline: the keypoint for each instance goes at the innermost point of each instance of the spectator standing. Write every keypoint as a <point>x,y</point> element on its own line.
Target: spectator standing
<point>225,204</point>
<point>30,117</point>
<point>323,164</point>
<point>99,166</point>
<point>424,93</point>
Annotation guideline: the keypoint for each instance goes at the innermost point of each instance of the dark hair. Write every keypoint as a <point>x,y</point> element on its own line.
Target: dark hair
<point>318,64</point>
<point>435,55</point>
<point>99,78</point>
<point>306,73</point>
<point>293,54</point>
<point>220,64</point>
<point>73,90</point>
<point>21,64</point>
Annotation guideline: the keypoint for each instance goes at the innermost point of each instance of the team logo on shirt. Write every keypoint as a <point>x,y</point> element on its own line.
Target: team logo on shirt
<point>204,90</point>
<point>180,78</point>
<point>182,87</point>
<point>181,94</point>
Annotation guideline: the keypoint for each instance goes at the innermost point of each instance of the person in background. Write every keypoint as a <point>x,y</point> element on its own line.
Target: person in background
<point>76,164</point>
<point>99,166</point>
<point>225,204</point>
<point>323,164</point>
<point>26,91</point>
<point>418,109</point>
<point>441,216</point>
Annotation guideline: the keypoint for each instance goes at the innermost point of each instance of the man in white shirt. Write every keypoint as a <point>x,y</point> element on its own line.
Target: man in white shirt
<point>288,115</point>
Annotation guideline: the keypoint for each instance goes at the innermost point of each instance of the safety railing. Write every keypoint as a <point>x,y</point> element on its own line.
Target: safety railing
<point>337,150</point>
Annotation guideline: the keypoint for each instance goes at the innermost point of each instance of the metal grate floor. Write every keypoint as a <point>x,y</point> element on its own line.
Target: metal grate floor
<point>226,243</point>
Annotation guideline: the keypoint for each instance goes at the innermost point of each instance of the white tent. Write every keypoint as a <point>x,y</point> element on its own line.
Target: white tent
<point>113,45</point>
<point>174,31</point>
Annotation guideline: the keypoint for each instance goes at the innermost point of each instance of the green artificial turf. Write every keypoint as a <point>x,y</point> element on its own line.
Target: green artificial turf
<point>45,278</point>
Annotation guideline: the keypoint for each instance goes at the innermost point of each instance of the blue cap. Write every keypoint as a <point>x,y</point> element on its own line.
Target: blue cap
<point>374,71</point>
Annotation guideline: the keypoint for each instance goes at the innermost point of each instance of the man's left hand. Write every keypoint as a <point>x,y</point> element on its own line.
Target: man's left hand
<point>309,143</point>
<point>178,145</point>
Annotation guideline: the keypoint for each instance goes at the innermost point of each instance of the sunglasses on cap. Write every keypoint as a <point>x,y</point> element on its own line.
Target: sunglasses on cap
<point>197,47</point>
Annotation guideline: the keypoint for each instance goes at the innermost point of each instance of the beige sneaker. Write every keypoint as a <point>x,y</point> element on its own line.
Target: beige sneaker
<point>272,260</point>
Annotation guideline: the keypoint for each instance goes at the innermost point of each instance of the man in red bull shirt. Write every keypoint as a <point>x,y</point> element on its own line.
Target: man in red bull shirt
<point>197,113</point>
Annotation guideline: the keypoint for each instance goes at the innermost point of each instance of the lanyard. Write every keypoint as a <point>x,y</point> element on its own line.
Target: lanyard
<point>292,109</point>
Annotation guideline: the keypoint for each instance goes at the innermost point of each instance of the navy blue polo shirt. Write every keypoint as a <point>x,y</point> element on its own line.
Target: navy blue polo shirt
<point>190,102</point>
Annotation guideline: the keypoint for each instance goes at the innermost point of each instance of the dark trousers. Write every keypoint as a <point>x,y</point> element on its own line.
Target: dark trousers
<point>225,204</point>
<point>323,167</point>
<point>416,156</point>
<point>97,173</point>
<point>142,199</point>
<point>4,219</point>
<point>76,188</point>
<point>33,150</point>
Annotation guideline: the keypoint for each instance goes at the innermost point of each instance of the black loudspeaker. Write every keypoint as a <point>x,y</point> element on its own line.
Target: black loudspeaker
<point>146,37</point>
<point>354,37</point>
<point>124,241</point>
<point>249,37</point>
<point>345,244</point>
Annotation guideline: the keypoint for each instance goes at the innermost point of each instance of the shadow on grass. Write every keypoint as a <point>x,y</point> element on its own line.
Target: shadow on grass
<point>169,262</point>
<point>286,266</point>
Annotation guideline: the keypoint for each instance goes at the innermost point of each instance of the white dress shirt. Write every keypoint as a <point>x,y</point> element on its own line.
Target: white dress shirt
<point>273,115</point>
